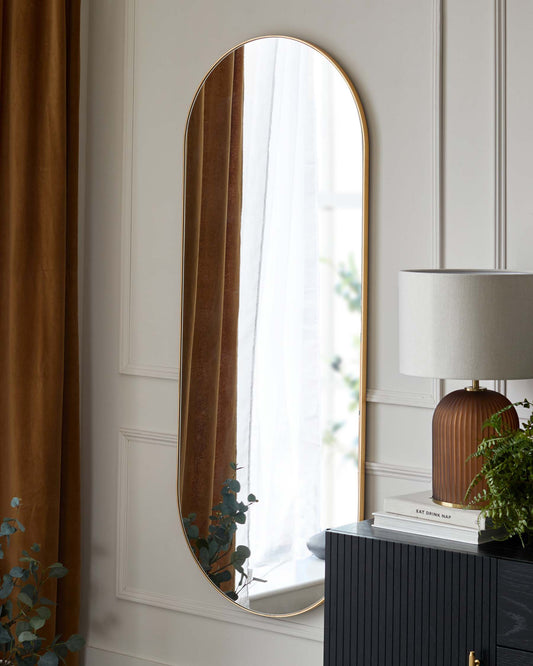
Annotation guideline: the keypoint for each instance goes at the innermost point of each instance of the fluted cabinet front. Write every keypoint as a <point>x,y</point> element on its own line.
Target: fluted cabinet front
<point>396,604</point>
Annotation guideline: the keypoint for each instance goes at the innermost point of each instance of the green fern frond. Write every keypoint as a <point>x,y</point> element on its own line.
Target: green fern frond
<point>507,469</point>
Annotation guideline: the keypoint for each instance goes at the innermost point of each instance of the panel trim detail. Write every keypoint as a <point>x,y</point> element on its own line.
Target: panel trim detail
<point>128,656</point>
<point>223,613</point>
<point>500,139</point>
<point>127,363</point>
<point>417,474</point>
<point>500,145</point>
<point>405,398</point>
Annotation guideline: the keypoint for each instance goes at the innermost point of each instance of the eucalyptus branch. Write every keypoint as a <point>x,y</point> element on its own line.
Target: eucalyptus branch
<point>20,643</point>
<point>218,543</point>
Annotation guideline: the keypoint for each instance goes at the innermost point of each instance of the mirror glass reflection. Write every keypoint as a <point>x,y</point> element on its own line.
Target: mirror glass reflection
<point>271,321</point>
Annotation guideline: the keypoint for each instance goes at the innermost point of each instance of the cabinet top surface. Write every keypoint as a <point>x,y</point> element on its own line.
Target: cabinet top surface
<point>510,549</point>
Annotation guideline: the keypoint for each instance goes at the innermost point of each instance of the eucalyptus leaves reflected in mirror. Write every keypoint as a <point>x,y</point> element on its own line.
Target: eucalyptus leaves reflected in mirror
<point>273,342</point>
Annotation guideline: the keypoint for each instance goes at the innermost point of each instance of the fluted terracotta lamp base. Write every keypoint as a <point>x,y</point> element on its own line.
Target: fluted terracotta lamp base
<point>457,431</point>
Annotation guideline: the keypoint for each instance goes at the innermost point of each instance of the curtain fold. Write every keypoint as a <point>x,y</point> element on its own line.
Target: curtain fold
<point>211,289</point>
<point>39,393</point>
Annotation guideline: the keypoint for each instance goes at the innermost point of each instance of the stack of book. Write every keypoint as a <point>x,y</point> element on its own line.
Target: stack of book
<point>417,513</point>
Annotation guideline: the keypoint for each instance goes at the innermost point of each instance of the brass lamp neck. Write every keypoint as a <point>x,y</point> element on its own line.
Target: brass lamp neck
<point>475,386</point>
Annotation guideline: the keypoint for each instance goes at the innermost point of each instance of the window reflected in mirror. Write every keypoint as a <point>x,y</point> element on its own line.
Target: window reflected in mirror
<point>272,323</point>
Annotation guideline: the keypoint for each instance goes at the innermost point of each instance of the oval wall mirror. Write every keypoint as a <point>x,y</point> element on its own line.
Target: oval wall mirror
<point>273,321</point>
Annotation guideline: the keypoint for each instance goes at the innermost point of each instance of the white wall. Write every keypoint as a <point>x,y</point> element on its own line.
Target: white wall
<point>447,90</point>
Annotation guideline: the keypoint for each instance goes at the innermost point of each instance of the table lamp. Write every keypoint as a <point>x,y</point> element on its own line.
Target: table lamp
<point>472,325</point>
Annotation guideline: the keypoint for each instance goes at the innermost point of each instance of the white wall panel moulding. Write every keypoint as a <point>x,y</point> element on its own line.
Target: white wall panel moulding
<point>404,398</point>
<point>126,591</point>
<point>437,135</point>
<point>128,363</point>
<point>395,396</point>
<point>223,614</point>
<point>500,139</point>
<point>100,656</point>
<point>417,474</point>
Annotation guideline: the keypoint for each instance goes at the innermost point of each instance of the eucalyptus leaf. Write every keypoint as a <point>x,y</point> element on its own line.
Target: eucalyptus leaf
<point>75,642</point>
<point>48,659</point>
<point>29,591</point>
<point>43,612</point>
<point>21,627</point>
<point>233,485</point>
<point>47,602</point>
<point>229,504</point>
<point>193,532</point>
<point>27,636</point>
<point>212,547</point>
<point>57,571</point>
<point>17,572</point>
<point>61,650</point>
<point>220,534</point>
<point>221,577</point>
<point>5,636</point>
<point>25,599</point>
<point>203,556</point>
<point>15,502</point>
<point>6,529</point>
<point>37,622</point>
<point>27,660</point>
<point>7,586</point>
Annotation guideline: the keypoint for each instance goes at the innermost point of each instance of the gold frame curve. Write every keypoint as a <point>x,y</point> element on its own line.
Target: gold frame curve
<point>364,301</point>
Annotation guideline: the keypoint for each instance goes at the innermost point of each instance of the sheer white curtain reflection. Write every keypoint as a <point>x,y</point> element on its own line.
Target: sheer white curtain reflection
<point>278,406</point>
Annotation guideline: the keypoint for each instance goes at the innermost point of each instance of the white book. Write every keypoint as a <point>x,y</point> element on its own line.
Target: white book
<point>420,505</point>
<point>432,529</point>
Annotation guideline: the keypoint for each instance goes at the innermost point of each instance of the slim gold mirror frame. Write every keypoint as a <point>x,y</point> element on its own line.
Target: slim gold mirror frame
<point>364,301</point>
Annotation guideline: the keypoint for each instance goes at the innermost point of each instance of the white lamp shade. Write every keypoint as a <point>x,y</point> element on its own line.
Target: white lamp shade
<point>465,324</point>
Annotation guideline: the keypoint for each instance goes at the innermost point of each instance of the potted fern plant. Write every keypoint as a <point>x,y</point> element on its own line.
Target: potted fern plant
<point>507,468</point>
<point>24,610</point>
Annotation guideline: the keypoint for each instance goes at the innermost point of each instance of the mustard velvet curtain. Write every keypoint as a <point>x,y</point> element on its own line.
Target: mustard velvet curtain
<point>39,413</point>
<point>211,289</point>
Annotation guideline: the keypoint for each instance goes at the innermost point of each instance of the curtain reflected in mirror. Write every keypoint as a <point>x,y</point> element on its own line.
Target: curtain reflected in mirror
<point>272,324</point>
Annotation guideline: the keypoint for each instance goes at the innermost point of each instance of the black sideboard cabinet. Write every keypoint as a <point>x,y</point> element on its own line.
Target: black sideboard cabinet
<point>395,599</point>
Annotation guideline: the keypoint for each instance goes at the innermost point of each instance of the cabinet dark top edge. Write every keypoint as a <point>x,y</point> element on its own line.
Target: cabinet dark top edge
<point>509,550</point>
